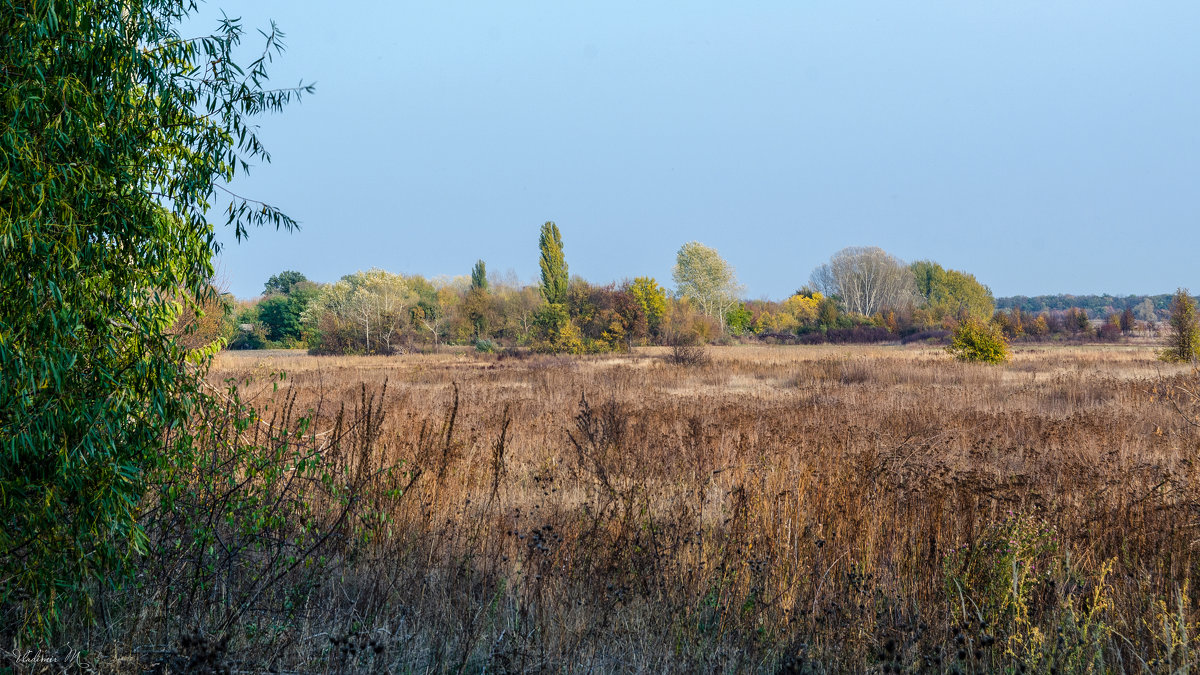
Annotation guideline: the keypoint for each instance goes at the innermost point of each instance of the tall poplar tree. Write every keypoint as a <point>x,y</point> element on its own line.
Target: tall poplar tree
<point>478,300</point>
<point>479,276</point>
<point>555,330</point>
<point>553,264</point>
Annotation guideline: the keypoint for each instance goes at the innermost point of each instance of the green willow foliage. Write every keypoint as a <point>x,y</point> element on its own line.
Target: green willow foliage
<point>115,134</point>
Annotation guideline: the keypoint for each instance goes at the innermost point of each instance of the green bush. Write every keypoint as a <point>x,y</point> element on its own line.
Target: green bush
<point>976,341</point>
<point>1183,343</point>
<point>1003,570</point>
<point>738,319</point>
<point>555,332</point>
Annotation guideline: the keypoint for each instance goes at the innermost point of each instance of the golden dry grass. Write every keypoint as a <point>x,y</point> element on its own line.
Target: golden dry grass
<point>777,509</point>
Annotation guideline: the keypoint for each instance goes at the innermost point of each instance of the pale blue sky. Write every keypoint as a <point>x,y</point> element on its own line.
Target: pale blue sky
<point>1043,146</point>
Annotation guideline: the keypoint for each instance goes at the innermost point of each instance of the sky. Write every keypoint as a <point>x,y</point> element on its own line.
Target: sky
<point>1044,146</point>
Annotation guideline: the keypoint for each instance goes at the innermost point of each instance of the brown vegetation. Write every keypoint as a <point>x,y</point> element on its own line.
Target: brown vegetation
<point>776,509</point>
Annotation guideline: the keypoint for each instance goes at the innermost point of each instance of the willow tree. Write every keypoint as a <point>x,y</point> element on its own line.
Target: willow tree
<point>116,136</point>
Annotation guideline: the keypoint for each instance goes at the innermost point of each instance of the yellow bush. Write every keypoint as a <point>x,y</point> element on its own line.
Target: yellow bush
<point>803,307</point>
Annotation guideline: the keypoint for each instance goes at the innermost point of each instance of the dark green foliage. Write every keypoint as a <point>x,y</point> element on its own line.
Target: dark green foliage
<point>283,282</point>
<point>1095,305</point>
<point>281,314</point>
<point>254,338</point>
<point>114,134</point>
<point>479,276</point>
<point>246,323</point>
<point>827,312</point>
<point>281,317</point>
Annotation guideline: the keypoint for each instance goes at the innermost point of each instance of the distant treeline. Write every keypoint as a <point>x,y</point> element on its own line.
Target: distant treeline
<point>862,294</point>
<point>1144,307</point>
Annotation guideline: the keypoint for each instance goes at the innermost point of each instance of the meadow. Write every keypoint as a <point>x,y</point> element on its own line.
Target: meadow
<point>773,509</point>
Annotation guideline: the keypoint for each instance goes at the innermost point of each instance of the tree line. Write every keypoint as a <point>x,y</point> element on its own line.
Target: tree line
<point>862,294</point>
<point>1144,307</point>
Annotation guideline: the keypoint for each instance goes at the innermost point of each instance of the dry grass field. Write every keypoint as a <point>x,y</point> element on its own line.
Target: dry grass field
<point>778,509</point>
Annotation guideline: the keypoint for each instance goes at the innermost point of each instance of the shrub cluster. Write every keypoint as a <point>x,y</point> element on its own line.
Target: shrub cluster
<point>974,340</point>
<point>862,334</point>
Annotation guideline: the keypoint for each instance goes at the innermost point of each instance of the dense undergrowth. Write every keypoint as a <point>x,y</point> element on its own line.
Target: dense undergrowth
<point>899,513</point>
